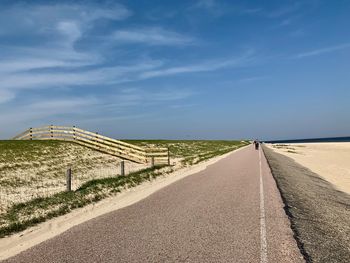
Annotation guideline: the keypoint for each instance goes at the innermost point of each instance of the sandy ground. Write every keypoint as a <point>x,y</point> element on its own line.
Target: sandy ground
<point>329,160</point>
<point>12,245</point>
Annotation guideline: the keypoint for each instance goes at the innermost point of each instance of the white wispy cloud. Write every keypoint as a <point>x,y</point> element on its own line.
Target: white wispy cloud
<point>6,95</point>
<point>206,66</point>
<point>87,106</point>
<point>64,111</point>
<point>53,30</point>
<point>53,60</point>
<point>71,30</point>
<point>183,69</point>
<point>62,105</point>
<point>106,121</point>
<point>205,4</point>
<point>89,109</point>
<point>251,79</point>
<point>102,75</point>
<point>171,95</point>
<point>138,96</point>
<point>14,79</point>
<point>297,33</point>
<point>152,36</point>
<point>286,22</point>
<point>250,11</point>
<point>214,8</point>
<point>38,19</point>
<point>283,11</point>
<point>26,64</point>
<point>324,50</point>
<point>48,109</point>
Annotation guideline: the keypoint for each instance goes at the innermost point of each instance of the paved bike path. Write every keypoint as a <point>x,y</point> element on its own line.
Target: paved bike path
<point>229,212</point>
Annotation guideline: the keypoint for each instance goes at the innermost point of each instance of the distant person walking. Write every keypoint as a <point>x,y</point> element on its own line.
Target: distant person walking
<point>256,143</point>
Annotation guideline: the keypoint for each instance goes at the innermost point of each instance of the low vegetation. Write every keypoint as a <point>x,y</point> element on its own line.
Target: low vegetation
<point>32,176</point>
<point>22,215</point>
<point>192,151</point>
<point>33,169</point>
<point>286,147</point>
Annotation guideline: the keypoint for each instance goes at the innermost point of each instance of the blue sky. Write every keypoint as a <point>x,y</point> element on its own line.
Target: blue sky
<point>201,69</point>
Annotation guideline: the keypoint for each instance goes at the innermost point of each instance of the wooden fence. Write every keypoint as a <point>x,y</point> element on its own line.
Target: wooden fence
<point>98,142</point>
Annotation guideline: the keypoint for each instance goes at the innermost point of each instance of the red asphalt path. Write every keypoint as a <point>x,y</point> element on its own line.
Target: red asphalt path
<point>230,212</point>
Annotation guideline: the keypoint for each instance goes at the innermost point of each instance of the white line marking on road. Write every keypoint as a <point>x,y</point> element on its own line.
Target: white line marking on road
<point>263,242</point>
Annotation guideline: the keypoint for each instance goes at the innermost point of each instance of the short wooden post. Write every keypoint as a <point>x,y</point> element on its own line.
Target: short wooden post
<point>96,137</point>
<point>152,161</point>
<point>122,168</point>
<point>69,179</point>
<point>168,156</point>
<point>51,131</point>
<point>74,137</point>
<point>31,133</point>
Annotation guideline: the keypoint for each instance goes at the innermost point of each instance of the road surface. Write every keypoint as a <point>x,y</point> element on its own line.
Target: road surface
<point>230,212</point>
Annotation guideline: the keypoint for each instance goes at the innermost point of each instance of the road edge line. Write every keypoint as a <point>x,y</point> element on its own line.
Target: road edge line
<point>263,240</point>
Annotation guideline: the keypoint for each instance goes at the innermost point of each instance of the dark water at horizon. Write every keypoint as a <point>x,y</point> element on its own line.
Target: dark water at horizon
<point>330,139</point>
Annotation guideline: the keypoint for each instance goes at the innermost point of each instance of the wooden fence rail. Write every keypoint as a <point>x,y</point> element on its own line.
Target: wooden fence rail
<point>98,142</point>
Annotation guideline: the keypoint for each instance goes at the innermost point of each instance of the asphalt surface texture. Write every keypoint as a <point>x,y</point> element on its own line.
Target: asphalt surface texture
<point>320,214</point>
<point>230,212</point>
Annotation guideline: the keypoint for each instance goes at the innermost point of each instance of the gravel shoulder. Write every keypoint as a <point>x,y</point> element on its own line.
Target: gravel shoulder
<point>320,214</point>
<point>328,160</point>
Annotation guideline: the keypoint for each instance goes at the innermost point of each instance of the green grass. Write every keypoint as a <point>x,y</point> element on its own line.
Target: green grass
<point>22,215</point>
<point>287,147</point>
<point>43,163</point>
<point>28,150</point>
<point>192,151</point>
<point>27,163</point>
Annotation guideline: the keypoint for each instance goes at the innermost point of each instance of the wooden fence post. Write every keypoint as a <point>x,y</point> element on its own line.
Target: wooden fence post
<point>152,161</point>
<point>69,179</point>
<point>97,140</point>
<point>168,156</point>
<point>51,131</point>
<point>122,168</point>
<point>74,137</point>
<point>31,133</point>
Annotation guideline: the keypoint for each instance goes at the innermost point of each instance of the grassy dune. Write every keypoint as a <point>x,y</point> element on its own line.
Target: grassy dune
<point>32,176</point>
<point>31,169</point>
<point>192,151</point>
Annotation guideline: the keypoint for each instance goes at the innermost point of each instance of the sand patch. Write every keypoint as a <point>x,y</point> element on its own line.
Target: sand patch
<point>329,160</point>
